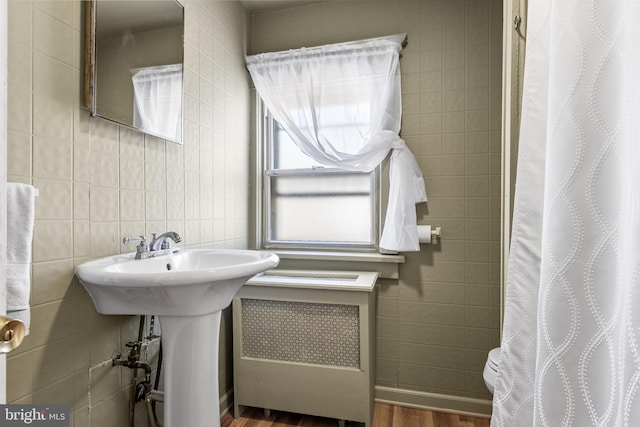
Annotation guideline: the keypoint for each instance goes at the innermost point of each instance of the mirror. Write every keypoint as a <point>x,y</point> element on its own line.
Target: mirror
<point>133,70</point>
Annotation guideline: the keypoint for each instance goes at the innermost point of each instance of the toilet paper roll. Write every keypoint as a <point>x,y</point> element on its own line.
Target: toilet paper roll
<point>424,233</point>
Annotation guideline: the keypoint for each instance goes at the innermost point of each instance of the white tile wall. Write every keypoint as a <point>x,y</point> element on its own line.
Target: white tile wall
<point>99,181</point>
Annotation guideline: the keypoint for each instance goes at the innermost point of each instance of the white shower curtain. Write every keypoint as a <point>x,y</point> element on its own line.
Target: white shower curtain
<point>304,88</point>
<point>157,100</point>
<point>571,339</point>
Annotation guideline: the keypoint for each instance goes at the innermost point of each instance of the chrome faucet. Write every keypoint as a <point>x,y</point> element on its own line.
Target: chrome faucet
<point>163,241</point>
<point>159,246</point>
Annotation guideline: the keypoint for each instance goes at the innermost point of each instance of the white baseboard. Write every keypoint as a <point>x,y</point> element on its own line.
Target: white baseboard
<point>411,399</point>
<point>434,401</point>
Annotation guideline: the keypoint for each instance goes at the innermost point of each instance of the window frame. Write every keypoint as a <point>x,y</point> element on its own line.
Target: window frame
<point>264,138</point>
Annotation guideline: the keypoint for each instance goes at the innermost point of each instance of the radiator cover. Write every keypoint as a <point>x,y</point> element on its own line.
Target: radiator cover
<point>303,342</point>
<point>289,331</point>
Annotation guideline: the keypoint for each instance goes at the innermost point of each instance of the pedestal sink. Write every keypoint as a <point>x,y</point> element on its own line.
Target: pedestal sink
<point>187,291</point>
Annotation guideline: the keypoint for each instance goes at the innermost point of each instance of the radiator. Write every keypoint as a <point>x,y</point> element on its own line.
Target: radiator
<point>304,343</point>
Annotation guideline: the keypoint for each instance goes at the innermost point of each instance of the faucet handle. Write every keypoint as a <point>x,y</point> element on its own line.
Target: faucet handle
<point>142,247</point>
<point>127,240</point>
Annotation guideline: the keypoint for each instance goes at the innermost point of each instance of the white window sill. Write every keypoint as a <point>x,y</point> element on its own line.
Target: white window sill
<point>339,256</point>
<point>385,265</point>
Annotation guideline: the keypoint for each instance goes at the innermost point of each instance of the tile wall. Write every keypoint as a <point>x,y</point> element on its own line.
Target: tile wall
<point>436,324</point>
<point>99,181</point>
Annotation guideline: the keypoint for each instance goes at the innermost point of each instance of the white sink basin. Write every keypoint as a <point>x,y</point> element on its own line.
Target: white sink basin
<point>187,290</point>
<point>187,283</point>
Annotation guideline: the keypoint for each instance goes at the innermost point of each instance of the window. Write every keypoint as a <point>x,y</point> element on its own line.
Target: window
<point>342,105</point>
<point>309,205</point>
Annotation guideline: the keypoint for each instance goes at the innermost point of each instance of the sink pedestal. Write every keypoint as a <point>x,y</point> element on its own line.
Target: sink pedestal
<point>190,367</point>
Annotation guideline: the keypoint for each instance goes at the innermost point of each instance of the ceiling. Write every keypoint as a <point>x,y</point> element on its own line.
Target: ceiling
<point>256,6</point>
<point>114,18</point>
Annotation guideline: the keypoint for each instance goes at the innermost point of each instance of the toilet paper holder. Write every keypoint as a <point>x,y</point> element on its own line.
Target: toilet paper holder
<point>435,235</point>
<point>428,234</point>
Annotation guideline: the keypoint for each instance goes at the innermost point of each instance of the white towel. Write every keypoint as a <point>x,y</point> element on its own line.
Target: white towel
<point>20,216</point>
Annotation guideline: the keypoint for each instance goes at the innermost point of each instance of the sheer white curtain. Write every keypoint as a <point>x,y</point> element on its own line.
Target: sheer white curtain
<point>571,339</point>
<point>303,89</point>
<point>157,103</point>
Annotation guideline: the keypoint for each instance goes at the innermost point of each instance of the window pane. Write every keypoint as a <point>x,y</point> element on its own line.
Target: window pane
<point>342,125</point>
<point>322,209</point>
<point>285,154</point>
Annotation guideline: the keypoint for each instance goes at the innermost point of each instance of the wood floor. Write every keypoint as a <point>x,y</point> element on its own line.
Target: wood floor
<point>384,416</point>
